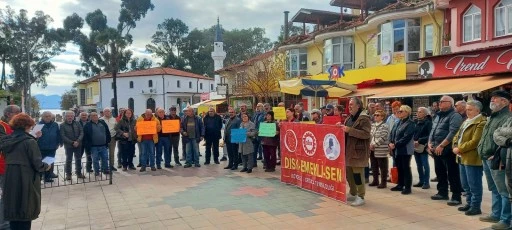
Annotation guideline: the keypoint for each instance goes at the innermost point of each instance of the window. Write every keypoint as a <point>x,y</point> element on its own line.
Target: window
<point>211,87</point>
<point>400,36</point>
<point>296,63</point>
<point>131,84</point>
<point>200,85</point>
<point>472,24</point>
<point>82,96</point>
<point>112,103</point>
<point>178,84</point>
<point>503,18</point>
<point>190,84</point>
<point>150,83</point>
<point>112,85</point>
<point>429,40</point>
<point>339,51</point>
<point>151,104</point>
<point>131,104</point>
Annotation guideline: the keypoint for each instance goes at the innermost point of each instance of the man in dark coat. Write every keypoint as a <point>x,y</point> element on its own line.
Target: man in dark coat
<point>192,130</point>
<point>97,138</point>
<point>49,141</point>
<point>72,134</point>
<point>22,188</point>
<point>212,126</point>
<point>175,137</point>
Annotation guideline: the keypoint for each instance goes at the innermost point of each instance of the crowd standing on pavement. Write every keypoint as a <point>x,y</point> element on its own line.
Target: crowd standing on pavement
<point>464,144</point>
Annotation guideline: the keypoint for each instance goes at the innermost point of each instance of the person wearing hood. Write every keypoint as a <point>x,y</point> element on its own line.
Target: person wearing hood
<point>48,141</point>
<point>357,150</point>
<point>148,142</point>
<point>423,128</point>
<point>444,128</point>
<point>22,188</point>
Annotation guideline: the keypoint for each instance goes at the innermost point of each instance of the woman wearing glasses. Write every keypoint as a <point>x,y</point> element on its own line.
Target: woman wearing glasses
<point>402,146</point>
<point>379,149</point>
<point>421,134</point>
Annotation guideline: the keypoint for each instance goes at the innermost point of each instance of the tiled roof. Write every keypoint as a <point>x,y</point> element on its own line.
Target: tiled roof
<point>149,72</point>
<point>247,62</point>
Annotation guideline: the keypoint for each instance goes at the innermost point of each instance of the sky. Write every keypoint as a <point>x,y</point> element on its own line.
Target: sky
<point>239,14</point>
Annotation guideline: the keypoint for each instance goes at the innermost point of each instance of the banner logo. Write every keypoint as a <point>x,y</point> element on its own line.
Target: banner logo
<point>309,143</point>
<point>331,147</point>
<point>290,141</point>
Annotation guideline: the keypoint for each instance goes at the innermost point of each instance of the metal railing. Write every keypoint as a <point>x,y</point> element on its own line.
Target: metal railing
<point>58,177</point>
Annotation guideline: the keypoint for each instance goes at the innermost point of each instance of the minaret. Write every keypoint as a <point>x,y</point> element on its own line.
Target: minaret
<point>218,53</point>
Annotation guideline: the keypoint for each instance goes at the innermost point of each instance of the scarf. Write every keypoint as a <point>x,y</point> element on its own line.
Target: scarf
<point>465,125</point>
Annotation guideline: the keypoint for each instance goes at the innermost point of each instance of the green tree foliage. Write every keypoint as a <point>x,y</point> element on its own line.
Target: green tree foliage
<point>140,64</point>
<point>68,99</point>
<point>105,48</point>
<point>27,46</point>
<point>181,49</point>
<point>294,31</point>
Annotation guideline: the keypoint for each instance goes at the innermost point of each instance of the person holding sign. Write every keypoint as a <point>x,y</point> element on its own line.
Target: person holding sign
<point>233,123</point>
<point>164,142</point>
<point>147,138</point>
<point>270,143</point>
<point>246,149</point>
<point>175,136</point>
<point>212,128</point>
<point>127,137</point>
<point>192,129</point>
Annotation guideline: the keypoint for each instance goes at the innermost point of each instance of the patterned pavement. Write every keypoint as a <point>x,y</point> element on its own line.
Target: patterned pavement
<point>211,197</point>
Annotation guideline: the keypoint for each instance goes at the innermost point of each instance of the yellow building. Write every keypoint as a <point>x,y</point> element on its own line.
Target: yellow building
<point>386,45</point>
<point>88,92</point>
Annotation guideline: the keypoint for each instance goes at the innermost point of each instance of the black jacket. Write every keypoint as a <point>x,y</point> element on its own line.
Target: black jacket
<point>126,126</point>
<point>445,126</point>
<point>402,136</point>
<point>88,134</point>
<point>212,127</point>
<point>22,188</point>
<point>232,124</point>
<point>422,130</point>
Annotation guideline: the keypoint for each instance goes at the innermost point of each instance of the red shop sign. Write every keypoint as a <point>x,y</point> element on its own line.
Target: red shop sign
<point>482,62</point>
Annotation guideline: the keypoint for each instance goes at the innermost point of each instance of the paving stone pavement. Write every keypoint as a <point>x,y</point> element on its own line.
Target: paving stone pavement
<point>211,197</point>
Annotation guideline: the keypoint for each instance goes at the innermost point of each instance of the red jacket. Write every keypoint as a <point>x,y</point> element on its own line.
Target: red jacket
<point>8,130</point>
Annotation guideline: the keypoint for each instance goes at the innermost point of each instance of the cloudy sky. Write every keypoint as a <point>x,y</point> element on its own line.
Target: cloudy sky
<point>239,14</point>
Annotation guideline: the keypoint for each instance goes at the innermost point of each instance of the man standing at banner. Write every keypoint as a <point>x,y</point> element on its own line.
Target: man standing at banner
<point>357,150</point>
<point>233,123</point>
<point>148,142</point>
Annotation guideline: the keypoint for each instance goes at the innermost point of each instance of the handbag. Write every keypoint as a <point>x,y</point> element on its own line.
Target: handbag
<point>419,149</point>
<point>394,175</point>
<point>496,160</point>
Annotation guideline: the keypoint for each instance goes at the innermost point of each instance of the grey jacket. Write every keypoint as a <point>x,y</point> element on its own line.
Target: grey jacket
<point>502,137</point>
<point>70,133</point>
<point>247,147</point>
<point>445,126</point>
<point>380,139</point>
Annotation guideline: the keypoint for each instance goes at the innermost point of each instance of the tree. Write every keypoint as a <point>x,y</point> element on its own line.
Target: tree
<point>262,76</point>
<point>68,99</point>
<point>140,64</point>
<point>293,31</point>
<point>168,41</point>
<point>105,47</point>
<point>28,47</point>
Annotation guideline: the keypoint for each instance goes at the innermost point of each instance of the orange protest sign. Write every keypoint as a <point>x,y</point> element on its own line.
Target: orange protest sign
<point>146,128</point>
<point>170,126</point>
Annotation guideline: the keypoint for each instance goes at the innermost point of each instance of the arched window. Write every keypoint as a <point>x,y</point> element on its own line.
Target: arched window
<point>190,84</point>
<point>131,84</point>
<point>150,83</point>
<point>150,104</point>
<point>472,24</point>
<point>131,104</point>
<point>503,18</point>
<point>112,103</point>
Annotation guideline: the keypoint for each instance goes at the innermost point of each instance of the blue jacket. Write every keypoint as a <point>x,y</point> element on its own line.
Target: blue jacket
<point>258,117</point>
<point>199,128</point>
<point>445,126</point>
<point>50,140</point>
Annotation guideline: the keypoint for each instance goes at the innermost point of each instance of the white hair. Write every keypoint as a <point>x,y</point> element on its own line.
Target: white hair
<point>450,99</point>
<point>107,109</point>
<point>70,112</point>
<point>424,110</point>
<point>46,113</point>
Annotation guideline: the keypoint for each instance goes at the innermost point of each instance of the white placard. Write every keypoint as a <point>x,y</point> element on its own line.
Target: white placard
<point>36,129</point>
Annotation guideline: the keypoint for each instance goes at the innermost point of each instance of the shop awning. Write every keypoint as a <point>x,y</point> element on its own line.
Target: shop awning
<point>196,105</point>
<point>440,87</point>
<point>214,103</point>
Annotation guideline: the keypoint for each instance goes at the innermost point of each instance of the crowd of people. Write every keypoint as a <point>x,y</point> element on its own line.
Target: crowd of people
<point>464,143</point>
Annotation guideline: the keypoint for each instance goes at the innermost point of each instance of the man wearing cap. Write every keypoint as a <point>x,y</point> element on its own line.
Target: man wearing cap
<point>500,213</point>
<point>329,110</point>
<point>316,116</point>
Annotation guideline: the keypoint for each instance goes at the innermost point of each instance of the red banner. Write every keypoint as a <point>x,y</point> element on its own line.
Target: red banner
<point>313,158</point>
<point>480,62</point>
